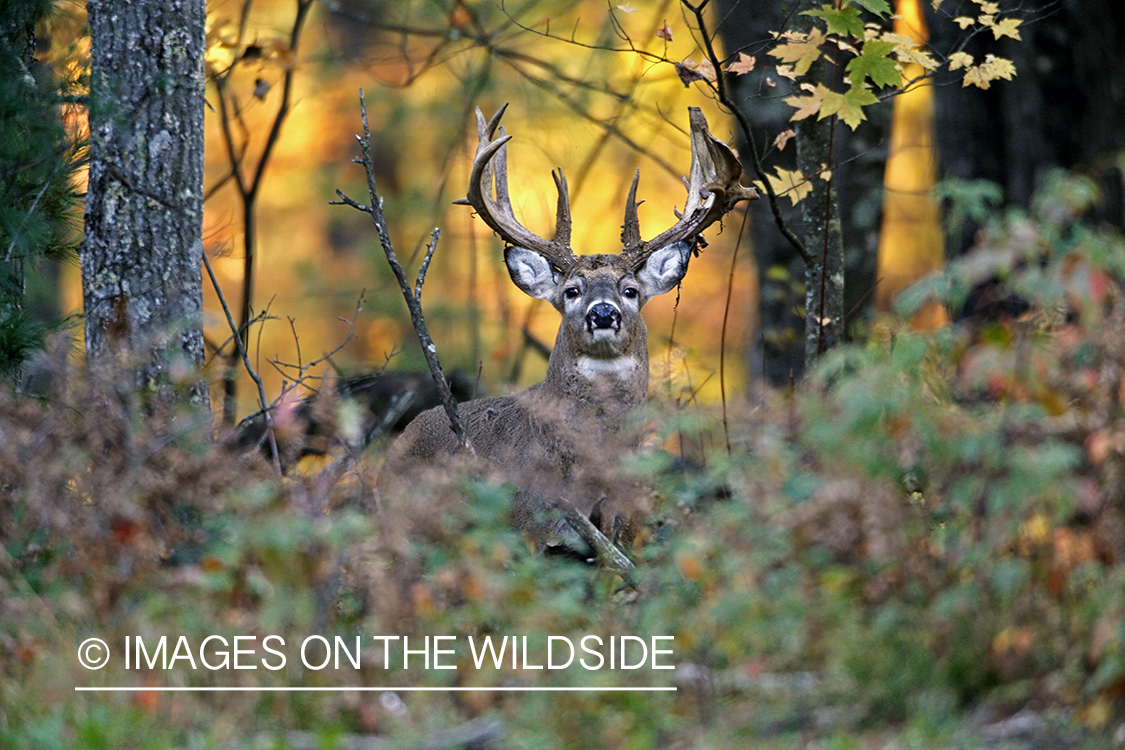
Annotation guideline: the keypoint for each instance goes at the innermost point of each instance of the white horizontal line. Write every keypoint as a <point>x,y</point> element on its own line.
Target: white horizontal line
<point>365,689</point>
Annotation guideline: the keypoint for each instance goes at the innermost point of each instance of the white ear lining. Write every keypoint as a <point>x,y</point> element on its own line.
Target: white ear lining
<point>531,272</point>
<point>665,267</point>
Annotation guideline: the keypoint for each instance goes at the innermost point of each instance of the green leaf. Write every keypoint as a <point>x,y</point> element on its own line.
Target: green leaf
<point>879,7</point>
<point>844,21</point>
<point>874,63</point>
<point>848,107</point>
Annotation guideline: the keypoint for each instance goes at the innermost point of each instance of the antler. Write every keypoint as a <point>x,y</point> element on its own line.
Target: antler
<point>497,211</point>
<point>713,189</point>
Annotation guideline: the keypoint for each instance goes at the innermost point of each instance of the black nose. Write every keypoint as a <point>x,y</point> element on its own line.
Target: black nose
<point>603,315</point>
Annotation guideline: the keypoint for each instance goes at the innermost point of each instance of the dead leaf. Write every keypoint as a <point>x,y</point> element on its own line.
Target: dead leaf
<point>665,33</point>
<point>742,66</point>
<point>783,138</point>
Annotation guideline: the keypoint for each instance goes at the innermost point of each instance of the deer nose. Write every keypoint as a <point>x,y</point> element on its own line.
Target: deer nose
<point>603,315</point>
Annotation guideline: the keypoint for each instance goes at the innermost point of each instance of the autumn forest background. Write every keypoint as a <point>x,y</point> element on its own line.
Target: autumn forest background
<point>886,452</point>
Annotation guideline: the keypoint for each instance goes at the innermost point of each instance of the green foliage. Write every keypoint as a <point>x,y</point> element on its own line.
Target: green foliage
<point>38,198</point>
<point>877,57</point>
<point>934,525</point>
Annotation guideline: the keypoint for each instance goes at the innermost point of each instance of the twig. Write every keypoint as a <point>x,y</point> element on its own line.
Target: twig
<point>248,189</point>
<point>246,362</point>
<point>375,210</point>
<point>608,554</point>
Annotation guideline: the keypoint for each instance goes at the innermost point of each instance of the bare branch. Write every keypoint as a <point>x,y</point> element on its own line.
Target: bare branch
<point>375,210</point>
<point>246,362</point>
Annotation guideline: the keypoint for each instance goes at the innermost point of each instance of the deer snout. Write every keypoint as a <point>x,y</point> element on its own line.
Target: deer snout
<point>603,315</point>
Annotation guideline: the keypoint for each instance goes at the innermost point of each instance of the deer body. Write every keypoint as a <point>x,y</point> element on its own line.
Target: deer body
<point>561,439</point>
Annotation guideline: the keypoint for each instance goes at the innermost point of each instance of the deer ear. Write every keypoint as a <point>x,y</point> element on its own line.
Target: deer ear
<point>665,267</point>
<point>531,272</point>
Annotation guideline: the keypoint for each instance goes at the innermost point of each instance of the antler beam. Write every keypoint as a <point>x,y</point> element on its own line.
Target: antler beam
<point>713,188</point>
<point>497,212</point>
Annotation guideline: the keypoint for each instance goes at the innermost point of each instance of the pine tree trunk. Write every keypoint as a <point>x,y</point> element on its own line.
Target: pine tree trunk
<point>141,256</point>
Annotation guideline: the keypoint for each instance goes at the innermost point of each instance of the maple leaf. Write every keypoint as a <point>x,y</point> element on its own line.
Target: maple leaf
<point>783,138</point>
<point>960,60</point>
<point>844,21</point>
<point>964,21</point>
<point>987,7</point>
<point>985,73</point>
<point>900,39</point>
<point>800,49</point>
<point>792,185</point>
<point>879,7</point>
<point>848,106</point>
<point>743,66</point>
<point>1006,27</point>
<point>690,70</point>
<point>807,105</point>
<point>626,8</point>
<point>785,71</point>
<point>875,64</point>
<point>917,56</point>
<point>665,33</point>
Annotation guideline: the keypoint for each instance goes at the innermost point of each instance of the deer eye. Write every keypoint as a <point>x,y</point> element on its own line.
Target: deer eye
<point>630,292</point>
<point>571,292</point>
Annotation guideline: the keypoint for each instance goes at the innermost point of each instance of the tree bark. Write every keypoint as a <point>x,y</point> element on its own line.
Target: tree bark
<point>823,236</point>
<point>786,345</point>
<point>141,276</point>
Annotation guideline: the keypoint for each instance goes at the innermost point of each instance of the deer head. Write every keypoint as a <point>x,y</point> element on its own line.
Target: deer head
<point>600,296</point>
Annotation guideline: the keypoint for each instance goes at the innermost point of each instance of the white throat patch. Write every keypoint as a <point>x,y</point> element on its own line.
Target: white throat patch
<point>593,367</point>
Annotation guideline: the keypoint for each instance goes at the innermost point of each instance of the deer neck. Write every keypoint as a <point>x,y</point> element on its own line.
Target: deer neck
<point>608,382</point>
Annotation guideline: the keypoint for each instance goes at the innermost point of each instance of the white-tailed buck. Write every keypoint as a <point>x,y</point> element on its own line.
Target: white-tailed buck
<point>561,440</point>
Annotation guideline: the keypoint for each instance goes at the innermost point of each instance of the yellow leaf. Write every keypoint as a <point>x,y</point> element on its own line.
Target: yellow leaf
<point>743,66</point>
<point>783,138</point>
<point>987,7</point>
<point>918,57</point>
<point>984,74</point>
<point>800,49</point>
<point>792,185</point>
<point>1036,529</point>
<point>786,71</point>
<point>936,4</point>
<point>626,8</point>
<point>960,60</point>
<point>998,67</point>
<point>1007,27</point>
<point>900,39</point>
<point>964,21</point>
<point>807,105</point>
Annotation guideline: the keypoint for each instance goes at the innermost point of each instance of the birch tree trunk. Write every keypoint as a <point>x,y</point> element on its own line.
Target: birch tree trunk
<point>141,256</point>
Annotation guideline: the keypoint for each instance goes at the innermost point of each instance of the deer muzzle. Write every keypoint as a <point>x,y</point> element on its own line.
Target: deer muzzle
<point>603,316</point>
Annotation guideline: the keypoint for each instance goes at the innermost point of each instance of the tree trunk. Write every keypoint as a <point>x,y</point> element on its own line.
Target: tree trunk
<point>141,276</point>
<point>823,237</point>
<point>786,284</point>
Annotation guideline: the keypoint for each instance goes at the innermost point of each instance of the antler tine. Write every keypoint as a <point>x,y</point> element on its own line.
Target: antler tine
<point>631,229</point>
<point>562,212</point>
<point>490,166</point>
<point>713,188</point>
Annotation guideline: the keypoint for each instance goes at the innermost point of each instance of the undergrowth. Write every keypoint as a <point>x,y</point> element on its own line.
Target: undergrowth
<point>932,528</point>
